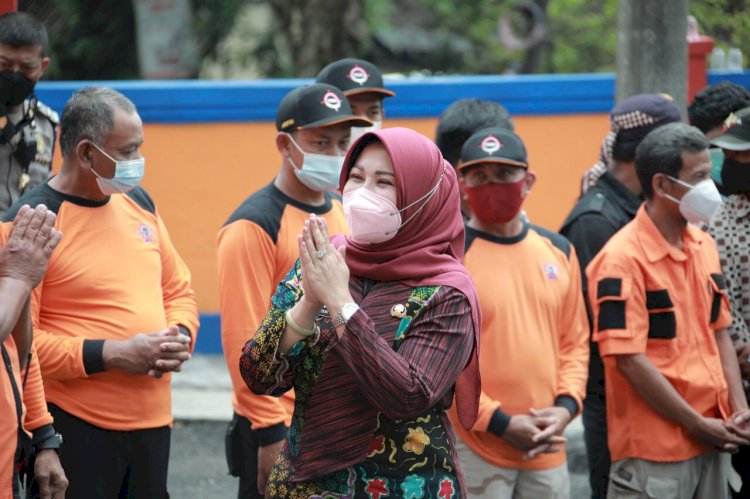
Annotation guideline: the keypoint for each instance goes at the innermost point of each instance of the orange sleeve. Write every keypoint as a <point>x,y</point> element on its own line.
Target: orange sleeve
<point>61,356</point>
<point>246,258</point>
<point>618,306</point>
<point>37,414</point>
<point>574,338</point>
<point>487,407</point>
<point>180,306</point>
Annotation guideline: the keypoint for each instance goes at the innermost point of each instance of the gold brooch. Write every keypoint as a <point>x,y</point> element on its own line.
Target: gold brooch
<point>398,311</point>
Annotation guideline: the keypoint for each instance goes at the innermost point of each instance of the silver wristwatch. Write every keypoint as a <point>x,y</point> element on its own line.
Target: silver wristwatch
<point>347,310</point>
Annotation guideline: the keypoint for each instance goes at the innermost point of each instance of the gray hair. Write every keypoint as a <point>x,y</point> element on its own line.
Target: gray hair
<point>90,114</point>
<point>661,152</point>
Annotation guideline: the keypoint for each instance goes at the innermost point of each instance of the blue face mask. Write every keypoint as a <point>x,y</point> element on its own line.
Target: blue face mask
<point>319,172</point>
<point>128,174</point>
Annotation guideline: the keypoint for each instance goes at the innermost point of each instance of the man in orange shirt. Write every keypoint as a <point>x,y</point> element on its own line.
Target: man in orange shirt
<point>115,312</point>
<point>362,83</point>
<point>23,261</point>
<point>256,248</point>
<point>675,401</point>
<point>534,338</point>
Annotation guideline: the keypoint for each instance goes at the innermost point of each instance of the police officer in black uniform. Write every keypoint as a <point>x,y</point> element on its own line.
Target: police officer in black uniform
<point>605,208</point>
<point>27,127</point>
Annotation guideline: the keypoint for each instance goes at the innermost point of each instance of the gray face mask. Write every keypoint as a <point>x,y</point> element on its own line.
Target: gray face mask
<point>319,172</point>
<point>128,174</point>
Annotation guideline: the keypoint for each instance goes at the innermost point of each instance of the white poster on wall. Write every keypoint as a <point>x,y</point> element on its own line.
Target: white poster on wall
<point>166,45</point>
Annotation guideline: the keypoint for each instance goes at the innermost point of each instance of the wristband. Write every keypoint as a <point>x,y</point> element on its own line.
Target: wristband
<point>296,328</point>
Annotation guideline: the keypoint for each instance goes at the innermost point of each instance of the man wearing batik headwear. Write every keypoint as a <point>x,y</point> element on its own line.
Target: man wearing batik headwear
<point>604,209</point>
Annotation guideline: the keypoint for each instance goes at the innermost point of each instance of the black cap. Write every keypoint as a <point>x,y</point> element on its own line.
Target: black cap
<point>635,116</point>
<point>494,145</point>
<point>314,106</point>
<point>737,135</point>
<point>354,76</point>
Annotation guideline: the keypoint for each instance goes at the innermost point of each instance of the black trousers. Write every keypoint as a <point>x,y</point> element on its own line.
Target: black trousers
<point>242,456</point>
<point>595,428</point>
<point>741,464</point>
<point>102,463</point>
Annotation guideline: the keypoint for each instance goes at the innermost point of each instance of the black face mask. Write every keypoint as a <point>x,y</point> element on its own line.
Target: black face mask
<point>15,87</point>
<point>735,176</point>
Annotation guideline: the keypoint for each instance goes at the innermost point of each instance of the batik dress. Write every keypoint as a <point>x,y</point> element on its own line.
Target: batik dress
<point>361,427</point>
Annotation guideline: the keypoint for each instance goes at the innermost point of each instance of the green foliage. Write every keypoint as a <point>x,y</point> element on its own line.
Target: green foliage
<point>583,36</point>
<point>95,40</point>
<point>727,21</point>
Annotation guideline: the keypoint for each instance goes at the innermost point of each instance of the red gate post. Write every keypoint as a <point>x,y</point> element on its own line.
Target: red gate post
<point>8,6</point>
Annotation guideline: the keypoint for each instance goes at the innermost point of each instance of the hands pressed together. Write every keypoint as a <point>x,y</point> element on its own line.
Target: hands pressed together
<point>30,245</point>
<point>153,354</point>
<point>538,432</point>
<point>325,275</point>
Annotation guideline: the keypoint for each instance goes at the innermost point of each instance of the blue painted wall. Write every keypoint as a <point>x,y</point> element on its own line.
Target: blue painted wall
<point>199,101</point>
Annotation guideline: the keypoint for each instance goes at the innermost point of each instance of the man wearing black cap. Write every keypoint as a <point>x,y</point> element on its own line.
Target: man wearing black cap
<point>362,83</point>
<point>604,209</point>
<point>256,248</point>
<point>534,331</point>
<point>730,228</point>
<point>708,112</point>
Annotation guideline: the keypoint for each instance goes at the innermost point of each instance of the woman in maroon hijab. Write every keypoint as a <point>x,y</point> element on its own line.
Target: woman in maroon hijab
<point>373,331</point>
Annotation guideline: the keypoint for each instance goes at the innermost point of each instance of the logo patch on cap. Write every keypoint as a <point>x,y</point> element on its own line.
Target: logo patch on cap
<point>491,144</point>
<point>331,101</point>
<point>358,75</point>
<point>732,121</point>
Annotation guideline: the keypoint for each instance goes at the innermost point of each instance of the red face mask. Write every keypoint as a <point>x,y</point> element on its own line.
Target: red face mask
<point>496,203</point>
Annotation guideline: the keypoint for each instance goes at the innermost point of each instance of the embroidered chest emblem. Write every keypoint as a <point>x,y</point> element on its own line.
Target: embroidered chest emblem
<point>551,271</point>
<point>146,233</point>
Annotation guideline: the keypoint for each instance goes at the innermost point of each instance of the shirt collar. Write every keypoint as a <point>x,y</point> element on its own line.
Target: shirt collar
<point>656,247</point>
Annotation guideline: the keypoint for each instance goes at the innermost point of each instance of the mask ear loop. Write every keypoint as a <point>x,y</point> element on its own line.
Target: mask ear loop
<point>428,196</point>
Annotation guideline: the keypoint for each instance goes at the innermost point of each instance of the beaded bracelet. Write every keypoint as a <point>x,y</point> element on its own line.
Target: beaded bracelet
<point>297,329</point>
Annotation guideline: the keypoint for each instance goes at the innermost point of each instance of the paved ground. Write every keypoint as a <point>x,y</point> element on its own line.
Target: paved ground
<point>202,408</point>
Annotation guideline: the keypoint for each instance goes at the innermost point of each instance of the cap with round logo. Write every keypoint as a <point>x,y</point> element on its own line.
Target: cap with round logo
<point>354,76</point>
<point>314,106</point>
<point>493,145</point>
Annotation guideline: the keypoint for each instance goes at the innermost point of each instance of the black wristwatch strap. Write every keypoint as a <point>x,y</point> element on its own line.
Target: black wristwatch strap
<point>46,437</point>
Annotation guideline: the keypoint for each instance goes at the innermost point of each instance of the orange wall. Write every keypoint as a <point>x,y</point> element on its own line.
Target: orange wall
<point>199,173</point>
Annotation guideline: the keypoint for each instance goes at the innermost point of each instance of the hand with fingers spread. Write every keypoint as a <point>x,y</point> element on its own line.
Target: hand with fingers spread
<point>325,275</point>
<point>30,245</point>
<point>152,354</point>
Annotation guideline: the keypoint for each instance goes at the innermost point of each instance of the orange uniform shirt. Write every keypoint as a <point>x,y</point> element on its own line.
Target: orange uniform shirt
<point>649,297</point>
<point>534,339</point>
<point>8,420</point>
<point>34,410</point>
<point>115,274</point>
<point>256,248</point>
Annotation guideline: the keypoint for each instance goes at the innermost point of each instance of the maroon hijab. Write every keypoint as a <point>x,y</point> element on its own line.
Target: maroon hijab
<point>429,249</point>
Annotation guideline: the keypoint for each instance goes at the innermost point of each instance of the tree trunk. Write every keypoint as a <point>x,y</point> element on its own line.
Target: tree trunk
<point>652,54</point>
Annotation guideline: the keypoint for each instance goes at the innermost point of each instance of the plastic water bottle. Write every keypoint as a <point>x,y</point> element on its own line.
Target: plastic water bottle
<point>734,59</point>
<point>718,61</point>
